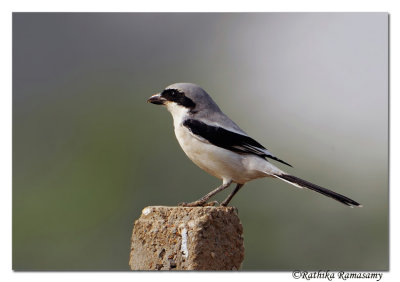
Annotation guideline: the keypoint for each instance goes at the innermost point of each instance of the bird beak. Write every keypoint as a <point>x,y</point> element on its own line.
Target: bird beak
<point>157,99</point>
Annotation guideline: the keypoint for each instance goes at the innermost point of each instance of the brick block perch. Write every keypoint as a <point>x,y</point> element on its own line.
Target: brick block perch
<point>187,238</point>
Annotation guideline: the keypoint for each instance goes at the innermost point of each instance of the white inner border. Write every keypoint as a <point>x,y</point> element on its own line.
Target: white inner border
<point>8,6</point>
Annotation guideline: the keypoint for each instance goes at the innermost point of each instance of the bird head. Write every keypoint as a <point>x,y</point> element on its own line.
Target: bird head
<point>183,98</point>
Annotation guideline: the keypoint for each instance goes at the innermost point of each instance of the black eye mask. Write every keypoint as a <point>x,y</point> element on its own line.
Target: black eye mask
<point>174,95</point>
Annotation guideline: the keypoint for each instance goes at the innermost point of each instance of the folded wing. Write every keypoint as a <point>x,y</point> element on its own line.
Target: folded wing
<point>229,140</point>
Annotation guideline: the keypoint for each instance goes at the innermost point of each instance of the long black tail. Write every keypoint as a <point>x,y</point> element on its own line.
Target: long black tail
<point>303,183</point>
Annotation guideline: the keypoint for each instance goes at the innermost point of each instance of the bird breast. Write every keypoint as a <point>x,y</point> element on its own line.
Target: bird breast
<point>219,162</point>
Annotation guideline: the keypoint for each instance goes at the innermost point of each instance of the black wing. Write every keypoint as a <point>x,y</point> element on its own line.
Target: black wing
<point>229,140</point>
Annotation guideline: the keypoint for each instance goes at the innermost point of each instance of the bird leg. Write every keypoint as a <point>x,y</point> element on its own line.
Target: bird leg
<point>229,198</point>
<point>203,200</point>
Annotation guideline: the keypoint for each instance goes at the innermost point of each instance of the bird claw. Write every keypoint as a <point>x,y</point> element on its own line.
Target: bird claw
<point>193,204</point>
<point>224,204</point>
<point>211,204</point>
<point>198,204</point>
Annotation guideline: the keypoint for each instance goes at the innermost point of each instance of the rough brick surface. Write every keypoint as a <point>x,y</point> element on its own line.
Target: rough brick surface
<point>187,238</point>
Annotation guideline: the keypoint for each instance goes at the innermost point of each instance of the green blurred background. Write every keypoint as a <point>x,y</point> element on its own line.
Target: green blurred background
<point>89,153</point>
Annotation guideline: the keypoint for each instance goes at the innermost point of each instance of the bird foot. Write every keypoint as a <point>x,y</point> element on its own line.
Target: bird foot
<point>224,204</point>
<point>198,204</point>
<point>211,204</point>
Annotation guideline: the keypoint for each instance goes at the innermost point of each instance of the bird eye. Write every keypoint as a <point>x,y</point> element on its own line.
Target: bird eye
<point>172,94</point>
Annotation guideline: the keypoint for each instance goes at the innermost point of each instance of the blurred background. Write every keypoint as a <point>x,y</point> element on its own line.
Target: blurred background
<point>89,153</point>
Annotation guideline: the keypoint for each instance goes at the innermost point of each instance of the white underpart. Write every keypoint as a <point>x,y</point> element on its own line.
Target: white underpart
<point>178,112</point>
<point>219,162</point>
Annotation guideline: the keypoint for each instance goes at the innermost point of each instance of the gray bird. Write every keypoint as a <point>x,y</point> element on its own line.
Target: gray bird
<point>217,145</point>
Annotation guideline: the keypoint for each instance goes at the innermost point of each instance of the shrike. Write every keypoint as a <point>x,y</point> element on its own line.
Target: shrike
<point>217,145</point>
